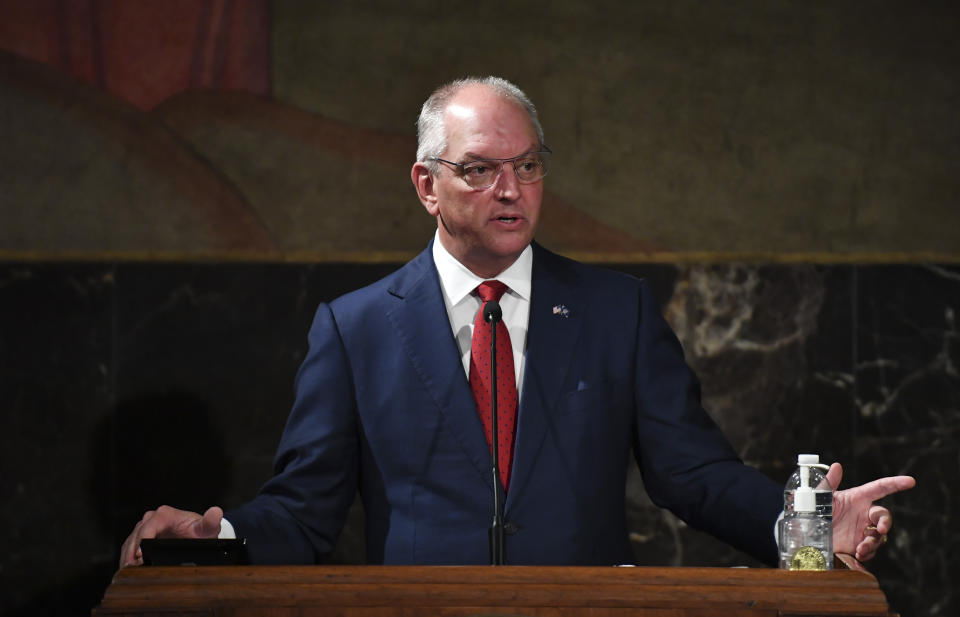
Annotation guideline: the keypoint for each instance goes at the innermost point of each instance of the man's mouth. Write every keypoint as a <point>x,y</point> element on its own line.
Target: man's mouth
<point>507,219</point>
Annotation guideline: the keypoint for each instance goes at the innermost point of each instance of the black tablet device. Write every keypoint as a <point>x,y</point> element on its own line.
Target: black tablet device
<point>189,552</point>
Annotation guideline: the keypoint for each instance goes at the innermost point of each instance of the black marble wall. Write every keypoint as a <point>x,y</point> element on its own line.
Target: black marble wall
<point>124,386</point>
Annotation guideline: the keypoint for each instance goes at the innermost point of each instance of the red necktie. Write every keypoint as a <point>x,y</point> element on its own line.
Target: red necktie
<point>506,381</point>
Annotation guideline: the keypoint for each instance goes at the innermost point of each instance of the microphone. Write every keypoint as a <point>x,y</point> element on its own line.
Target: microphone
<point>492,314</point>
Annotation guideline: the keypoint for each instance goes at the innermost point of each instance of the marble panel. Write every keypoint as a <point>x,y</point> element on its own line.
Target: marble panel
<point>857,363</point>
<point>755,335</point>
<point>907,393</point>
<point>126,386</point>
<point>56,384</point>
<point>207,360</point>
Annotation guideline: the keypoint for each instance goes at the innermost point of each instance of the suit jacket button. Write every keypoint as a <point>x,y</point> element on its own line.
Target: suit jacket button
<point>510,528</point>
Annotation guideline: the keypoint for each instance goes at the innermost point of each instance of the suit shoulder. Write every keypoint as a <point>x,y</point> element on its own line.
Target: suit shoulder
<point>590,277</point>
<point>395,283</point>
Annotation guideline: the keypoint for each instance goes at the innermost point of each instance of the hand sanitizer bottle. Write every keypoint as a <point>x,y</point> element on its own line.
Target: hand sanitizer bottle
<point>805,534</point>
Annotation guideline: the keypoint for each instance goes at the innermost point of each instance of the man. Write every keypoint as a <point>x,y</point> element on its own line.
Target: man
<point>392,397</point>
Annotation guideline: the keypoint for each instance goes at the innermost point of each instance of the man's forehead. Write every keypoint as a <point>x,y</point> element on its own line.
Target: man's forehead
<point>487,120</point>
<point>482,153</point>
<point>464,112</point>
<point>482,103</point>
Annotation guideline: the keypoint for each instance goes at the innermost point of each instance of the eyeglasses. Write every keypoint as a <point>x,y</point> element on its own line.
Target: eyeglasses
<point>484,173</point>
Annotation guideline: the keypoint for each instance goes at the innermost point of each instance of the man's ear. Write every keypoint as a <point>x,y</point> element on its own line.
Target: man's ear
<point>423,181</point>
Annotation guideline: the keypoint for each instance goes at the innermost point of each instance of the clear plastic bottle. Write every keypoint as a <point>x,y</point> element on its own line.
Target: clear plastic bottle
<point>806,530</point>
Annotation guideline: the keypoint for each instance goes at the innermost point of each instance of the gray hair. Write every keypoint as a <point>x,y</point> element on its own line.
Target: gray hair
<point>431,133</point>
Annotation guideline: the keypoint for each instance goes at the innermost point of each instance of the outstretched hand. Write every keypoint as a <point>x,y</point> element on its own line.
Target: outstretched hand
<point>167,522</point>
<point>859,526</point>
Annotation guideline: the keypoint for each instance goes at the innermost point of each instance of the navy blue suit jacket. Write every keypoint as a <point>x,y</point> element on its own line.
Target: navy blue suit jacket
<point>383,404</point>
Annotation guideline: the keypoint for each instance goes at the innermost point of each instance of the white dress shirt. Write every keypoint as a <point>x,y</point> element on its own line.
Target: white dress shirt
<point>458,285</point>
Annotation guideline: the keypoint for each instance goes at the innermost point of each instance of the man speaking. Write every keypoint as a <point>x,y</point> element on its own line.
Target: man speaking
<point>396,393</point>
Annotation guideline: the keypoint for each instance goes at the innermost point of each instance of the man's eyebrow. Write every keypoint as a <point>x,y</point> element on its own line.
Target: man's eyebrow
<point>479,157</point>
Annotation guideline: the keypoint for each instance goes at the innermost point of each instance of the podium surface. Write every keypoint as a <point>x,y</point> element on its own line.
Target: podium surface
<point>379,591</point>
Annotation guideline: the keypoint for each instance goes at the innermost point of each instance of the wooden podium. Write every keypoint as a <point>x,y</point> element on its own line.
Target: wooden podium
<point>378,591</point>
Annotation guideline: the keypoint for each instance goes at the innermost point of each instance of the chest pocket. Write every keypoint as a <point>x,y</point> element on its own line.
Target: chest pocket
<point>599,397</point>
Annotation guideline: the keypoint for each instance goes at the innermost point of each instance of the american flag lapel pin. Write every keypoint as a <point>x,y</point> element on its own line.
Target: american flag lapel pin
<point>561,310</point>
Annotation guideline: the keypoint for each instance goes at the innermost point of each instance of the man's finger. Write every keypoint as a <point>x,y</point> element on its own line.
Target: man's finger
<point>867,549</point>
<point>878,489</point>
<point>835,475</point>
<point>131,546</point>
<point>880,519</point>
<point>169,522</point>
<point>129,553</point>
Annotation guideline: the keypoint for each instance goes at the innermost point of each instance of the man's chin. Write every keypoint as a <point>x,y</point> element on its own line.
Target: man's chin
<point>490,261</point>
<point>511,246</point>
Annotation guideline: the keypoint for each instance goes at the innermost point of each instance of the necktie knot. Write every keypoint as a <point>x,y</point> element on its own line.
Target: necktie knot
<point>491,290</point>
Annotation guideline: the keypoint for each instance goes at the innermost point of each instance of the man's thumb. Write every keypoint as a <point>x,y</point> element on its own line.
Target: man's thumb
<point>834,475</point>
<point>209,524</point>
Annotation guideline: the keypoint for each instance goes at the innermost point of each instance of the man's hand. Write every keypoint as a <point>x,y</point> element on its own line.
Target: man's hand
<point>167,522</point>
<point>859,526</point>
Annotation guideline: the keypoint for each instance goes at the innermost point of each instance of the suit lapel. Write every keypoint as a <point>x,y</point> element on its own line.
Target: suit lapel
<point>555,322</point>
<point>420,319</point>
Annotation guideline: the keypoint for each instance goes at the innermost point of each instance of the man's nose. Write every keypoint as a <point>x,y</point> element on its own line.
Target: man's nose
<point>507,184</point>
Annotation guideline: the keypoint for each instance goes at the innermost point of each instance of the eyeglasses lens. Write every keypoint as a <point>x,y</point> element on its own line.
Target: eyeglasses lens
<point>529,168</point>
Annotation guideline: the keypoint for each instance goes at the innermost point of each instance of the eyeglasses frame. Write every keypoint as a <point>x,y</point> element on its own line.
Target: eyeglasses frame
<point>513,159</point>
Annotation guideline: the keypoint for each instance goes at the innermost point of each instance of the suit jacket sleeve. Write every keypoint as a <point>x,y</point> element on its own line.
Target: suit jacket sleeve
<point>299,513</point>
<point>687,464</point>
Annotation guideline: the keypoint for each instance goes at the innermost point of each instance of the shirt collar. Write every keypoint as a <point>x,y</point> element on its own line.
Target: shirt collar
<point>458,282</point>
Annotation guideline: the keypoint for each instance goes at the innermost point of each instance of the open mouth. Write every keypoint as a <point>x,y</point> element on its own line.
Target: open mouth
<point>507,219</point>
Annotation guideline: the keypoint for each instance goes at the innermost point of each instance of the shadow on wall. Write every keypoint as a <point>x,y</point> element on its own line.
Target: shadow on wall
<point>161,446</point>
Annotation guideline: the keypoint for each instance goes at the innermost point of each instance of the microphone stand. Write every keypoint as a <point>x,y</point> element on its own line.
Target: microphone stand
<point>492,315</point>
